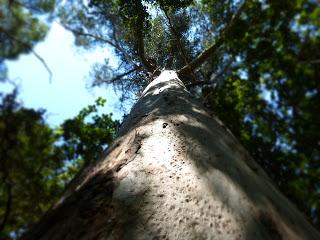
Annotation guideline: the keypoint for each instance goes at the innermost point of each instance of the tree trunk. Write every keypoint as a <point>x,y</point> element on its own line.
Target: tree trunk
<point>174,172</point>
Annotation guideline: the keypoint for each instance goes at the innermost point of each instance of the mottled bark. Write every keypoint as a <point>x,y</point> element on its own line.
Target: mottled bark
<point>174,172</point>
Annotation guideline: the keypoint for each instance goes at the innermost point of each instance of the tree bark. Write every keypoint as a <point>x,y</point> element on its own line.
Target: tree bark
<point>174,172</point>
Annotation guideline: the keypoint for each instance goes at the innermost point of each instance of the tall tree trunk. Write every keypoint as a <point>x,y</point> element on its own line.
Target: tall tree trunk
<point>174,172</point>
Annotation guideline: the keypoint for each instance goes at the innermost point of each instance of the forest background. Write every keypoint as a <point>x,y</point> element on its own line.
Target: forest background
<point>261,80</point>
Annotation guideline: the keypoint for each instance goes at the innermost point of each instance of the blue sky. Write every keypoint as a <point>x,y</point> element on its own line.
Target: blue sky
<point>68,91</point>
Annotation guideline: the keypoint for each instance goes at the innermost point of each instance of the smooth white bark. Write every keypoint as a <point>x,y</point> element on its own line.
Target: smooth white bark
<point>175,172</point>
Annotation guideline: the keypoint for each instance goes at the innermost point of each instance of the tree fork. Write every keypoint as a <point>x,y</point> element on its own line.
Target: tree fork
<point>174,172</point>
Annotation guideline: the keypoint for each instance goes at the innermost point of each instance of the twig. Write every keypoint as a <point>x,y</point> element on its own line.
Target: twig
<point>115,44</point>
<point>128,58</point>
<point>121,75</point>
<point>32,8</point>
<point>77,32</point>
<point>208,82</point>
<point>31,50</point>
<point>43,63</point>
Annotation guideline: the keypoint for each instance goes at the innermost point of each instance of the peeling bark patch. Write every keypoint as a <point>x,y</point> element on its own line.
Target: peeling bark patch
<point>121,164</point>
<point>130,152</point>
<point>269,226</point>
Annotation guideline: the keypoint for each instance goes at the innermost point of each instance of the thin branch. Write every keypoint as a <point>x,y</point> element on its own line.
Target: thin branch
<point>180,47</point>
<point>30,7</point>
<point>202,57</point>
<point>198,83</point>
<point>128,58</point>
<point>31,50</point>
<point>183,53</point>
<point>77,32</point>
<point>140,48</point>
<point>121,75</point>
<point>107,41</point>
<point>211,81</point>
<point>43,63</point>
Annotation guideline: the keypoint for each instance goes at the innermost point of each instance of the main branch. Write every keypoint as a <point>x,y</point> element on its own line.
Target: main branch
<point>116,78</point>
<point>202,57</point>
<point>180,47</point>
<point>147,64</point>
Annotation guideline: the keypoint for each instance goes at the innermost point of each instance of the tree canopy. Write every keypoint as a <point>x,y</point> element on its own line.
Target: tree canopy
<point>254,63</point>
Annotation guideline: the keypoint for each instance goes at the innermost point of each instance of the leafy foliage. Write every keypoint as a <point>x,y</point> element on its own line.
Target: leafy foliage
<point>86,136</point>
<point>29,164</point>
<point>21,27</point>
<point>254,62</point>
<point>36,161</point>
<point>270,98</point>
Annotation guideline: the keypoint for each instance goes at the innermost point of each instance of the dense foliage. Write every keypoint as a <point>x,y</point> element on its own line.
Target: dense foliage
<point>29,163</point>
<point>254,62</point>
<point>36,161</point>
<point>87,135</point>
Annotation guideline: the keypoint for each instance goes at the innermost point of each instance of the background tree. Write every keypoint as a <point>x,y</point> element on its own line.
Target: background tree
<point>37,162</point>
<point>255,63</point>
<point>86,136</point>
<point>30,164</point>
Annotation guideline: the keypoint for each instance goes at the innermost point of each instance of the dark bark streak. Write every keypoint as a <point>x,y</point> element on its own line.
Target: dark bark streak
<point>87,206</point>
<point>8,207</point>
<point>269,226</point>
